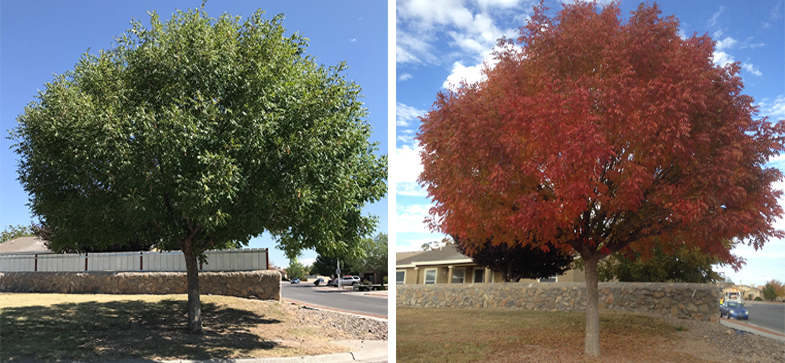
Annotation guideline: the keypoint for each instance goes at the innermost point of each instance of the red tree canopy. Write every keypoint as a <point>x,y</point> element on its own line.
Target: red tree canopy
<point>596,135</point>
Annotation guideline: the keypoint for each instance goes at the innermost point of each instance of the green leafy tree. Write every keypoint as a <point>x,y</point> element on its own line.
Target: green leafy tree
<point>435,245</point>
<point>297,270</point>
<point>683,265</point>
<point>202,133</point>
<point>779,287</point>
<point>139,242</point>
<point>325,265</point>
<point>13,232</point>
<point>374,255</point>
<point>769,292</point>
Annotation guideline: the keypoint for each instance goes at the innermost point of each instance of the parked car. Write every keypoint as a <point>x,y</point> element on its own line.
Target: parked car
<point>295,281</point>
<point>733,310</point>
<point>319,281</point>
<point>350,280</point>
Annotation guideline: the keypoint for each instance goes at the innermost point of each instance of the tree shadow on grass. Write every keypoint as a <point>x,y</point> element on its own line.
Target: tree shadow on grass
<point>107,331</point>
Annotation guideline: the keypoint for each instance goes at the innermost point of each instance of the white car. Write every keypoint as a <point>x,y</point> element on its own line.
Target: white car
<point>350,280</point>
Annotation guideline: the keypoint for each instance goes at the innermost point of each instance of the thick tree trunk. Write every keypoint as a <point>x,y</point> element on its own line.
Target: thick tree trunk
<point>194,305</point>
<point>592,343</point>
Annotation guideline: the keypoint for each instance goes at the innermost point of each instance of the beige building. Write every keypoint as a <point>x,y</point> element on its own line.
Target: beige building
<point>448,266</point>
<point>747,292</point>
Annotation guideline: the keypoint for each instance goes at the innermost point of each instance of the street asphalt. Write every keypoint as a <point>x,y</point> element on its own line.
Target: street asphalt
<point>770,316</point>
<point>368,303</point>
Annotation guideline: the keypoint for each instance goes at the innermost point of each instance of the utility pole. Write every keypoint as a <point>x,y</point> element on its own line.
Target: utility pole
<point>338,271</point>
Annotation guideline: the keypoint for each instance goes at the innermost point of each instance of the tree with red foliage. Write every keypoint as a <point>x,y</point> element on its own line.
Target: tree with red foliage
<point>515,261</point>
<point>598,135</point>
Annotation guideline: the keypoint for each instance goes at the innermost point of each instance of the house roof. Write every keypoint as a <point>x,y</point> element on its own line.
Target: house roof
<point>401,255</point>
<point>441,256</point>
<point>24,246</point>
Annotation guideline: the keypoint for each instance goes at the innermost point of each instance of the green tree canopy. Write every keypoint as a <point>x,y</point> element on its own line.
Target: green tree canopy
<point>325,265</point>
<point>13,232</point>
<point>683,265</point>
<point>769,292</point>
<point>297,270</point>
<point>202,133</point>
<point>374,255</point>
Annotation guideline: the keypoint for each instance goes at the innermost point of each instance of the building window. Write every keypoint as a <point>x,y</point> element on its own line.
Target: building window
<point>479,275</point>
<point>458,275</point>
<point>430,276</point>
<point>400,277</point>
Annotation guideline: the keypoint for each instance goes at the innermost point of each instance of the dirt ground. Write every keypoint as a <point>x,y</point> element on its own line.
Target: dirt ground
<point>51,327</point>
<point>517,336</point>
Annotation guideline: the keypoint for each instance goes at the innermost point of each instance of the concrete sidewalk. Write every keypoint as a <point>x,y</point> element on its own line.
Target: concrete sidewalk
<point>362,351</point>
<point>752,329</point>
<point>349,290</point>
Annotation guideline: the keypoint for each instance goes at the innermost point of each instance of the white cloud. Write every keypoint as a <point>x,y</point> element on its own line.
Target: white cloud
<point>485,4</point>
<point>471,74</point>
<point>721,58</point>
<point>726,43</point>
<point>716,16</point>
<point>469,24</point>
<point>411,218</point>
<point>775,111</point>
<point>408,167</point>
<point>411,48</point>
<point>752,69</point>
<point>405,115</point>
<point>404,77</point>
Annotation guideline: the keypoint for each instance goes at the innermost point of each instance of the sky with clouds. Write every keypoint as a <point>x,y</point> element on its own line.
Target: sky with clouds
<point>440,42</point>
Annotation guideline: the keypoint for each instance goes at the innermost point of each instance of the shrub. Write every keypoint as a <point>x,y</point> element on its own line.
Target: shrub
<point>757,298</point>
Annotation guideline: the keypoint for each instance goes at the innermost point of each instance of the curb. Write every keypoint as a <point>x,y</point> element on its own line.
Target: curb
<point>335,310</point>
<point>326,358</point>
<point>369,354</point>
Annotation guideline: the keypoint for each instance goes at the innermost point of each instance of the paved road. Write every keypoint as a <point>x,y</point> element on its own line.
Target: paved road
<point>769,316</point>
<point>333,298</point>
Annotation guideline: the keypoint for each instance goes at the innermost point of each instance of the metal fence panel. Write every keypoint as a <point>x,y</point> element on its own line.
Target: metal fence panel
<point>218,260</point>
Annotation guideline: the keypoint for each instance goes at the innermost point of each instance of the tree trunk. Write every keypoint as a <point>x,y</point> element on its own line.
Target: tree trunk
<point>194,305</point>
<point>592,343</point>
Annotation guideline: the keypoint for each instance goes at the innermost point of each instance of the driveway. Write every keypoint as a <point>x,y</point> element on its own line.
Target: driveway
<point>366,303</point>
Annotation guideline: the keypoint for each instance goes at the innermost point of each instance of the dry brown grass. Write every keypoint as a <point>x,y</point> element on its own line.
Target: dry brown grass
<point>50,327</point>
<point>458,335</point>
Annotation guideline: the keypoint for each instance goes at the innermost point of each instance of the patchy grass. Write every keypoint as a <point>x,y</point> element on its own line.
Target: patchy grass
<point>53,327</point>
<point>463,335</point>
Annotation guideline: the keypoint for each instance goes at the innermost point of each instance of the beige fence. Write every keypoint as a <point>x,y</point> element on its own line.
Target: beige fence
<point>248,259</point>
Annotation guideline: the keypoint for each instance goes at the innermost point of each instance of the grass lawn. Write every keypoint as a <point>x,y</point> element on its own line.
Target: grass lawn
<point>52,327</point>
<point>463,335</point>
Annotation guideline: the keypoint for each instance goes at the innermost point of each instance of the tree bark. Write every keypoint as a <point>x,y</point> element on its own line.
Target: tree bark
<point>592,343</point>
<point>194,304</point>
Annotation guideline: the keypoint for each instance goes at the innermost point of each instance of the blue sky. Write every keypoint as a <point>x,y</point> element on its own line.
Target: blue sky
<point>440,42</point>
<point>42,38</point>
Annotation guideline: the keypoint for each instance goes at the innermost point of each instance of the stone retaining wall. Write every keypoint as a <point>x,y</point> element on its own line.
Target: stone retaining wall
<point>689,301</point>
<point>263,284</point>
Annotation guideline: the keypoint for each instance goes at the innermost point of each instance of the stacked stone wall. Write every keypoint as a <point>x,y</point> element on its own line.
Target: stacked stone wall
<point>265,284</point>
<point>682,300</point>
